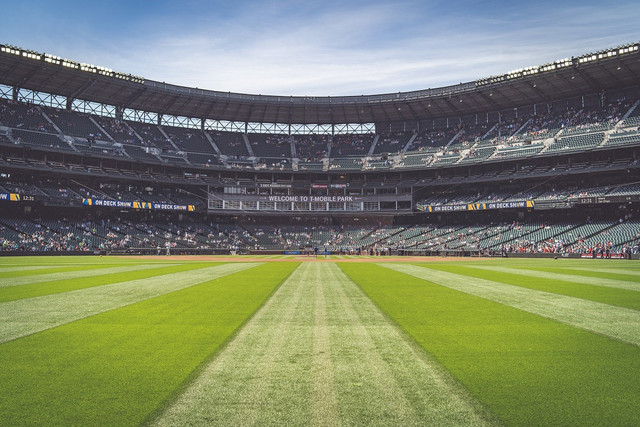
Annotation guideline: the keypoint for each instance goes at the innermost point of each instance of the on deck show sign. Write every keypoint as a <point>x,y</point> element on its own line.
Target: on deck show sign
<point>479,206</point>
<point>138,205</point>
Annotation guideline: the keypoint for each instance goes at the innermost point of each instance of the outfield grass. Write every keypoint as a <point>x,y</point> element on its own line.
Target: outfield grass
<point>13,278</point>
<point>557,284</point>
<point>118,367</point>
<point>34,289</point>
<point>320,353</point>
<point>272,341</point>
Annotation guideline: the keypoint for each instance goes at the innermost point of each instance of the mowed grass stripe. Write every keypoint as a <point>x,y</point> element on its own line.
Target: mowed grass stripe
<point>28,316</point>
<point>621,273</point>
<point>324,403</point>
<point>614,322</point>
<point>12,293</point>
<point>5,270</point>
<point>116,368</point>
<point>268,361</point>
<point>268,392</point>
<point>70,273</point>
<point>618,270</point>
<point>5,280</point>
<point>527,369</point>
<point>72,260</point>
<point>596,281</point>
<point>381,377</point>
<point>606,295</point>
<point>320,353</point>
<point>367,390</point>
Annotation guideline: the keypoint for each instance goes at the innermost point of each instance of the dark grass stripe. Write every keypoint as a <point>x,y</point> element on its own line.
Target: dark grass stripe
<point>13,293</point>
<point>527,369</point>
<point>117,367</point>
<point>613,296</point>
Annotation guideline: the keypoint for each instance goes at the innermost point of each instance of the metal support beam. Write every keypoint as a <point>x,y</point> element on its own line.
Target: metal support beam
<point>27,77</point>
<point>135,95</point>
<point>168,105</point>
<point>79,92</point>
<point>592,83</point>
<point>452,107</point>
<point>490,101</point>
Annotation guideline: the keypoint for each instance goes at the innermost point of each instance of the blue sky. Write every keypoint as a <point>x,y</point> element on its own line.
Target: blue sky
<point>318,48</point>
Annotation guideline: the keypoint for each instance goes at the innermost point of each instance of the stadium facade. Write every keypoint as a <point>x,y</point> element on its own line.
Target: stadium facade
<point>542,160</point>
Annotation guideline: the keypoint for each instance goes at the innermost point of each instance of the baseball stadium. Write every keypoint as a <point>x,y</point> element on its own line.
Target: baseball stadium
<point>459,255</point>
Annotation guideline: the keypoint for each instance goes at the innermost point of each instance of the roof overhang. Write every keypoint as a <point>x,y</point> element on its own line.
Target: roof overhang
<point>591,73</point>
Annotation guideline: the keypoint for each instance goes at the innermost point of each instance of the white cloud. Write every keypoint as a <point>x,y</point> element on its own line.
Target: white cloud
<point>278,48</point>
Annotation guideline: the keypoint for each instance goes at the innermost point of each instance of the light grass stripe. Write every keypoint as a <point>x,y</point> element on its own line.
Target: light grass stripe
<point>272,384</point>
<point>596,281</point>
<point>28,316</point>
<point>363,378</point>
<point>40,278</point>
<point>624,270</point>
<point>324,404</point>
<point>23,268</point>
<point>614,322</point>
<point>48,262</point>
<point>319,352</point>
<point>272,347</point>
<point>77,260</point>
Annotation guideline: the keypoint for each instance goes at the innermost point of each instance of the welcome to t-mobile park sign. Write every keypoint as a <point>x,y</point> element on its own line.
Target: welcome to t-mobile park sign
<point>303,199</point>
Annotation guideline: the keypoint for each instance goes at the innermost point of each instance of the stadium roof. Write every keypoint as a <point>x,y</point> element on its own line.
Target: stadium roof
<point>590,73</point>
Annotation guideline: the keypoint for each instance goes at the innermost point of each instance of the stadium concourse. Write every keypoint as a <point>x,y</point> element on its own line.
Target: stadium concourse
<point>542,161</point>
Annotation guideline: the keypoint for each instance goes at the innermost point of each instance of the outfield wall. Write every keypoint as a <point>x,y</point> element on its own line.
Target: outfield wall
<point>49,253</point>
<point>188,251</point>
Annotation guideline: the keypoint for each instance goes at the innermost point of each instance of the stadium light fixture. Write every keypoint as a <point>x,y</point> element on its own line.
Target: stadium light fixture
<point>11,49</point>
<point>70,64</point>
<point>628,49</point>
<point>31,54</point>
<point>67,63</point>
<point>52,59</point>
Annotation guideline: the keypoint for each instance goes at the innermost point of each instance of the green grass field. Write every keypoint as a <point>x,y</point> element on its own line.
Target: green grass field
<point>281,341</point>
